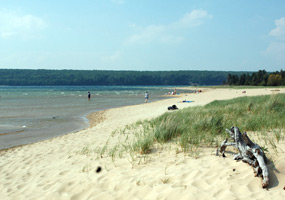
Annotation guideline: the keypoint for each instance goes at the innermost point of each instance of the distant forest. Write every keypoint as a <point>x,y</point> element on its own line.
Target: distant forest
<point>260,78</point>
<point>25,77</point>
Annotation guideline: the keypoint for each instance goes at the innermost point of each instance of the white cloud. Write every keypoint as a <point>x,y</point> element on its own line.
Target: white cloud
<point>279,31</point>
<point>276,50</point>
<point>194,18</point>
<point>164,33</point>
<point>14,24</point>
<point>147,34</point>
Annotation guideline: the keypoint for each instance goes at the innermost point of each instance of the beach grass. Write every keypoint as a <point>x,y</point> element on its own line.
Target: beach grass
<point>201,126</point>
<point>205,125</point>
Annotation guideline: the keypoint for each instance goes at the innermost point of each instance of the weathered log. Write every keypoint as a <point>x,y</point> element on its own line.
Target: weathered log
<point>249,152</point>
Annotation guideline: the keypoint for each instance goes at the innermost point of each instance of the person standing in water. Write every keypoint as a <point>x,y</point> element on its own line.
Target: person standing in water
<point>146,97</point>
<point>89,95</point>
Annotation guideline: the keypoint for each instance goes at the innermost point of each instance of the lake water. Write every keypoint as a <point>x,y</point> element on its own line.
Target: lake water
<point>30,114</point>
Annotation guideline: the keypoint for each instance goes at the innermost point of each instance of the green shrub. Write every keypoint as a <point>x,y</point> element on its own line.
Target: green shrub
<point>204,125</point>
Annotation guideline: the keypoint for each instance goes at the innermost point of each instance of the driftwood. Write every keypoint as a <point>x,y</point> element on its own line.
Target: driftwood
<point>249,152</point>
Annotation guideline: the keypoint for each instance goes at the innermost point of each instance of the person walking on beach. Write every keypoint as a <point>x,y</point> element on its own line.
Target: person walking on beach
<point>146,97</point>
<point>89,95</point>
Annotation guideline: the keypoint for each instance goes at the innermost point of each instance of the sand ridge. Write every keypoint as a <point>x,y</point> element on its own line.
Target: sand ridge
<point>65,167</point>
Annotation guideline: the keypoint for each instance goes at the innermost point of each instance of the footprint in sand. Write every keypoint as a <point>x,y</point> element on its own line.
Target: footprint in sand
<point>62,173</point>
<point>201,184</point>
<point>20,186</point>
<point>254,185</point>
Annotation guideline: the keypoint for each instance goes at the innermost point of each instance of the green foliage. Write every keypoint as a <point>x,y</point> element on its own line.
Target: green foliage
<point>260,78</point>
<point>275,79</point>
<point>144,144</point>
<point>104,77</point>
<point>206,125</point>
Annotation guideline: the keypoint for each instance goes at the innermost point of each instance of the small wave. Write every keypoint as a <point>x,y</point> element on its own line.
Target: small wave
<point>7,125</point>
<point>6,129</point>
<point>12,132</point>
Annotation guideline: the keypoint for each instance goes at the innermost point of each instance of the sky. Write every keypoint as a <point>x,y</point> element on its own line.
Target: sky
<point>143,35</point>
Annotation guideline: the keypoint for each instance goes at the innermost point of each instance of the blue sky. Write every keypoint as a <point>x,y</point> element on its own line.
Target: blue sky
<point>237,35</point>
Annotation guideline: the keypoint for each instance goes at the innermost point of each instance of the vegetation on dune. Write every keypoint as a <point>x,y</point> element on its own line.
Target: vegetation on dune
<point>188,129</point>
<point>196,126</point>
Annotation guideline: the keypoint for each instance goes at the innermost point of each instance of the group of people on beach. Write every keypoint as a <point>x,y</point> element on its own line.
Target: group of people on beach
<point>173,92</point>
<point>197,91</point>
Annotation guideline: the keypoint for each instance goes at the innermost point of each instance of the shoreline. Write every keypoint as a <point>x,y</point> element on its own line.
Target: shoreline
<point>93,119</point>
<point>65,167</point>
<point>77,123</point>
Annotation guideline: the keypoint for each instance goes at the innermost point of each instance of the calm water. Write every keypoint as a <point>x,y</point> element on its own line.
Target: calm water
<point>30,114</point>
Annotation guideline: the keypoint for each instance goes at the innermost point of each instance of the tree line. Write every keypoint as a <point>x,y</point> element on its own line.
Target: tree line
<point>260,78</point>
<point>104,77</point>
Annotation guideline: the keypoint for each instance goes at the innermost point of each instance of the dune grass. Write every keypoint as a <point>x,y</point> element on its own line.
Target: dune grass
<point>196,126</point>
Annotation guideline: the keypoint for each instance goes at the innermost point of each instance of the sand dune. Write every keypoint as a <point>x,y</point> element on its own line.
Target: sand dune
<point>65,167</point>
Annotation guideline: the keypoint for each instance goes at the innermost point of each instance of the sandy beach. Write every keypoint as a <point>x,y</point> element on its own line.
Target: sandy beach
<point>67,167</point>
